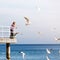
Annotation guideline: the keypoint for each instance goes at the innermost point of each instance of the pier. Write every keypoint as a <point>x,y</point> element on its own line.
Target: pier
<point>5,39</point>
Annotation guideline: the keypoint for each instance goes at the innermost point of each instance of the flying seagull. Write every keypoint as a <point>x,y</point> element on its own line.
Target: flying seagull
<point>27,21</point>
<point>39,32</point>
<point>47,58</point>
<point>57,38</point>
<point>48,51</point>
<point>23,54</point>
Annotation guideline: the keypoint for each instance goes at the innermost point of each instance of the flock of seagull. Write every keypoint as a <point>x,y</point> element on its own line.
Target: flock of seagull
<point>47,50</point>
<point>28,22</point>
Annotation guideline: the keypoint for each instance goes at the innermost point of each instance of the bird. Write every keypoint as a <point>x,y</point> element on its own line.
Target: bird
<point>48,51</point>
<point>47,58</point>
<point>57,38</point>
<point>23,54</point>
<point>27,21</point>
<point>38,8</point>
<point>39,32</point>
<point>59,51</point>
<point>54,29</point>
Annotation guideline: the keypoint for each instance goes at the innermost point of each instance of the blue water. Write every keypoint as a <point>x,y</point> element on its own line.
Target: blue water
<point>32,51</point>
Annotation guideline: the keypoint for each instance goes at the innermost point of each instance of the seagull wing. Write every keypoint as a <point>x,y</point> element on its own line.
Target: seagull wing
<point>26,19</point>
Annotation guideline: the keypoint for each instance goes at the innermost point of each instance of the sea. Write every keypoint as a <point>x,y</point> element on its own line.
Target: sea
<point>31,51</point>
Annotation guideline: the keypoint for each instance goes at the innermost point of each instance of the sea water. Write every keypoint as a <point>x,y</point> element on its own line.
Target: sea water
<point>31,52</point>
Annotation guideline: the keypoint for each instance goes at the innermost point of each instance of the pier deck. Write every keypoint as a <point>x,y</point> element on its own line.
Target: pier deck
<point>7,40</point>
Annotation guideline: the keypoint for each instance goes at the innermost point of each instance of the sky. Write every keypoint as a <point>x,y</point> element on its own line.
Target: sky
<point>43,14</point>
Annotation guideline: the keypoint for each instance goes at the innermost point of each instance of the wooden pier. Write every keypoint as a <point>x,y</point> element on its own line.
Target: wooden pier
<point>5,39</point>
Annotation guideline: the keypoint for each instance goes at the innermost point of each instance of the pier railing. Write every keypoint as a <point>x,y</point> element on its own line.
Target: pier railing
<point>5,35</point>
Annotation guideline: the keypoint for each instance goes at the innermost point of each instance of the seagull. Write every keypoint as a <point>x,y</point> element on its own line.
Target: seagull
<point>27,22</point>
<point>23,54</point>
<point>38,8</point>
<point>39,32</point>
<point>48,51</point>
<point>53,29</point>
<point>57,38</point>
<point>47,58</point>
<point>59,51</point>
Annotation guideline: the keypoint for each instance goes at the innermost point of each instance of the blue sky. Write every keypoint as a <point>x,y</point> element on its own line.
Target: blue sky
<point>43,14</point>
